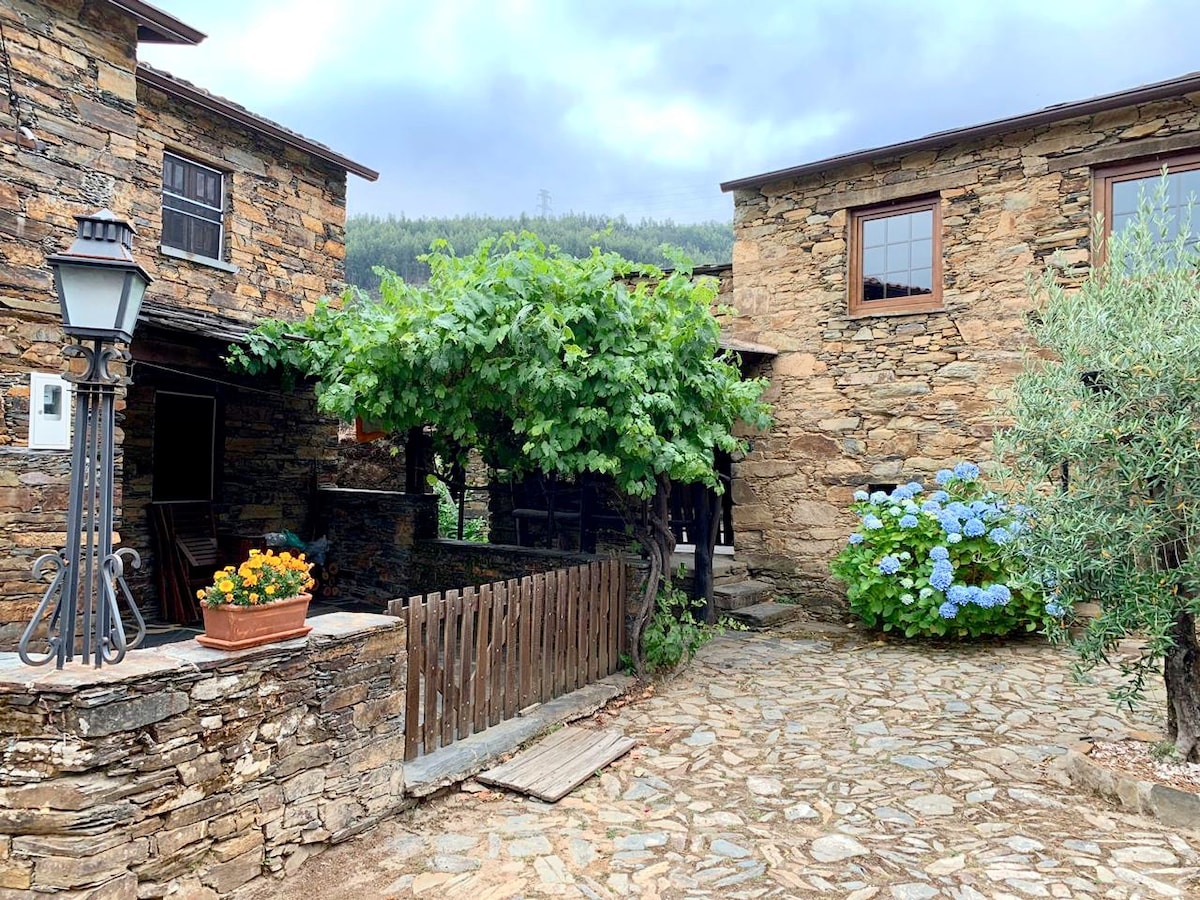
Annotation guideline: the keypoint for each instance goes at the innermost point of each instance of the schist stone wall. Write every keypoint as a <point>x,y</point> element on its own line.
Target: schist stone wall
<point>72,64</point>
<point>104,133</point>
<point>886,399</point>
<point>285,225</point>
<point>197,770</point>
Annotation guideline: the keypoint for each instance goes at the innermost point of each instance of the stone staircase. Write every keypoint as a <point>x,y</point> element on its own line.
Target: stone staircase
<point>739,596</point>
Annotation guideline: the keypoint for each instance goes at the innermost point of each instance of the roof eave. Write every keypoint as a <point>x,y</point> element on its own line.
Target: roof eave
<point>1147,93</point>
<point>158,27</point>
<point>235,113</point>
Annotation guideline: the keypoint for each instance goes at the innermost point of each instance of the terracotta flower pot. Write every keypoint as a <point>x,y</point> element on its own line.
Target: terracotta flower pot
<point>229,627</point>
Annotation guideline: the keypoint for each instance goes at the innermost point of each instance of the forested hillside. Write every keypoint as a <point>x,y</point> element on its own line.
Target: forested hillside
<point>395,243</point>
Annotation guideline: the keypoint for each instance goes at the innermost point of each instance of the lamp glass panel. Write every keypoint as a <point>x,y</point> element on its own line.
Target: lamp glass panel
<point>137,291</point>
<point>92,295</point>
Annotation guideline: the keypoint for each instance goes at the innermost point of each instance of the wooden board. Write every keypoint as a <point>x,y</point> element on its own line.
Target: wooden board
<point>559,763</point>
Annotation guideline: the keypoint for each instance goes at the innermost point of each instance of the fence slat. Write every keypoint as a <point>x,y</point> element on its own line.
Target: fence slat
<point>539,629</point>
<point>614,617</point>
<point>512,672</point>
<point>429,725</point>
<point>483,660</point>
<point>572,628</point>
<point>595,619</point>
<point>622,605</point>
<point>451,605</point>
<point>602,612</point>
<point>499,634</point>
<point>550,637</point>
<point>525,642</point>
<point>466,654</point>
<point>412,700</point>
<point>585,623</point>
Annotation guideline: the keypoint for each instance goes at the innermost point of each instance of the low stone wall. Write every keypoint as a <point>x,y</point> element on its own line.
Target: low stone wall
<point>187,768</point>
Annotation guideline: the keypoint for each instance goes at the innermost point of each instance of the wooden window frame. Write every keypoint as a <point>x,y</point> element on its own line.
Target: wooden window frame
<point>860,308</point>
<point>1104,177</point>
<point>224,176</point>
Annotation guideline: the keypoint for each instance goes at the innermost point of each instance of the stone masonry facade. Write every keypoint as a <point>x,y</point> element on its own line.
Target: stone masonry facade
<point>884,399</point>
<point>104,129</point>
<point>188,771</point>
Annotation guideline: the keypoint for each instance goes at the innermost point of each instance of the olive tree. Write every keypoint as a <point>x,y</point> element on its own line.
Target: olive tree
<point>542,362</point>
<point>1107,429</point>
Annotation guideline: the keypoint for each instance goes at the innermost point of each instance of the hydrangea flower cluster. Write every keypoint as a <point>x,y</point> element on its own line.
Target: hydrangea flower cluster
<point>939,562</point>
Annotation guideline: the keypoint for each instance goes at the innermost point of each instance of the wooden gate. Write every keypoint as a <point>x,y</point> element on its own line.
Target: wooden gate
<point>479,655</point>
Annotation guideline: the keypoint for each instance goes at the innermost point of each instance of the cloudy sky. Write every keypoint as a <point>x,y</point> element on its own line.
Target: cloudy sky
<point>641,107</point>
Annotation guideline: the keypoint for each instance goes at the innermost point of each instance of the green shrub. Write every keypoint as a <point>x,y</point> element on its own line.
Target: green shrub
<point>674,634</point>
<point>474,529</point>
<point>939,564</point>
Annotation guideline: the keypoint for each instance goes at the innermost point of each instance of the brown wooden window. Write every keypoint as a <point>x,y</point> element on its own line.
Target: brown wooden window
<point>896,258</point>
<point>1119,191</point>
<point>193,207</point>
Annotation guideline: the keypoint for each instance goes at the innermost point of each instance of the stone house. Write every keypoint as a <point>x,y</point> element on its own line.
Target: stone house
<point>236,218</point>
<point>892,281</point>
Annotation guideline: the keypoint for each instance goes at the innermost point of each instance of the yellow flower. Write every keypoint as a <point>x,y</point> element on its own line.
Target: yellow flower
<point>199,595</point>
<point>285,556</point>
<point>250,580</point>
<point>255,552</point>
<point>254,598</point>
<point>226,586</point>
<point>270,589</point>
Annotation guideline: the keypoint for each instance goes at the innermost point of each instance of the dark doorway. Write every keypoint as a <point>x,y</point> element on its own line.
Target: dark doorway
<point>185,459</point>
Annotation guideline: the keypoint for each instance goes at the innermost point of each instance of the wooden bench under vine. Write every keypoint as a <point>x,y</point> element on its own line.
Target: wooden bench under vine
<point>543,363</point>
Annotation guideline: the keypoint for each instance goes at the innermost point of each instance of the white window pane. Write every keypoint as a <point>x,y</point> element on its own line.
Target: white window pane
<point>874,232</point>
<point>922,224</point>
<point>897,257</point>
<point>874,260</point>
<point>899,228</point>
<point>922,253</point>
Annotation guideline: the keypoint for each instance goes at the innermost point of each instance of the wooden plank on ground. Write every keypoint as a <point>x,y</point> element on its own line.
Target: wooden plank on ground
<point>559,763</point>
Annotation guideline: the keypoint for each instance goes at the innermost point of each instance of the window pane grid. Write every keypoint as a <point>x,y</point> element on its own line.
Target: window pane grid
<point>897,255</point>
<point>193,207</point>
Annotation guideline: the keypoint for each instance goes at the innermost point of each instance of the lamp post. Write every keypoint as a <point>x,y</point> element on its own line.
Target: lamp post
<point>100,289</point>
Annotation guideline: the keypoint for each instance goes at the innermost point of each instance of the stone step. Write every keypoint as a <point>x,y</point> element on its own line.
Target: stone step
<point>766,615</point>
<point>742,594</point>
<point>726,569</point>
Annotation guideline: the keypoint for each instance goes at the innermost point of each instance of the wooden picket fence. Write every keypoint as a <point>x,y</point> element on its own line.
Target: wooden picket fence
<point>479,655</point>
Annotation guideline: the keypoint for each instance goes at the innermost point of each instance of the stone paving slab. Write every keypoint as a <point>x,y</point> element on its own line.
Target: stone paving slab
<point>801,766</point>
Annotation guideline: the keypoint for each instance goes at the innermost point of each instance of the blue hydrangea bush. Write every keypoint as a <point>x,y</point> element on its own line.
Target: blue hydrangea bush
<point>939,563</point>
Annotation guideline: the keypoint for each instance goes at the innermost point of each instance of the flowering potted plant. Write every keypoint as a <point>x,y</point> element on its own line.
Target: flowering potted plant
<point>263,600</point>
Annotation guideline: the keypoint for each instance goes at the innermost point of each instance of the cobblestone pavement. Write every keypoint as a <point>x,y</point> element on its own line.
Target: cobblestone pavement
<point>802,766</point>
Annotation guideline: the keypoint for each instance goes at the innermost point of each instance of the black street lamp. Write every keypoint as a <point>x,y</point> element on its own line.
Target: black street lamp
<point>100,288</point>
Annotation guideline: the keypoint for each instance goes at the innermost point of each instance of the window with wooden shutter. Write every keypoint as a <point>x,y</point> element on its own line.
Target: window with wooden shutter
<point>193,207</point>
